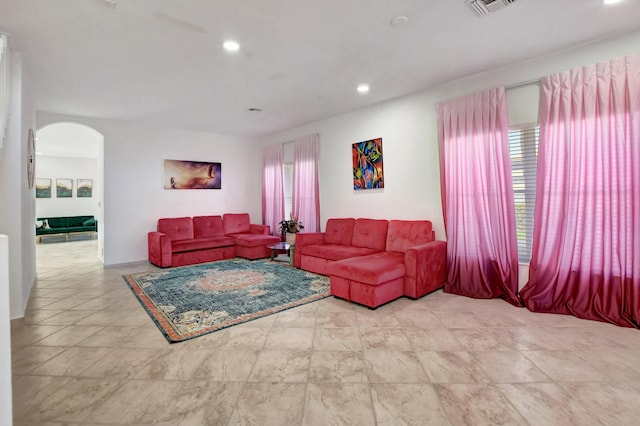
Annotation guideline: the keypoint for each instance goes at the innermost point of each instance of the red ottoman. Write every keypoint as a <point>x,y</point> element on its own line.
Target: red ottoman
<point>371,280</point>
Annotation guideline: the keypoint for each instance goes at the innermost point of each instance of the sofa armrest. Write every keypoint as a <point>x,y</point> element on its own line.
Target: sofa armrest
<point>159,249</point>
<point>259,229</point>
<point>305,239</point>
<point>426,267</point>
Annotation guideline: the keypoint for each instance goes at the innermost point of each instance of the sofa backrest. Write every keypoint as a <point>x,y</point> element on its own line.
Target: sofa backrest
<point>77,220</point>
<point>403,234</point>
<point>57,222</point>
<point>339,231</point>
<point>370,233</point>
<point>236,223</point>
<point>178,228</point>
<point>207,226</point>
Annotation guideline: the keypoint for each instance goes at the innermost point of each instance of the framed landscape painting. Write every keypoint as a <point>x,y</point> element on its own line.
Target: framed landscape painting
<point>180,174</point>
<point>367,164</point>
<point>64,188</point>
<point>85,188</point>
<point>43,188</point>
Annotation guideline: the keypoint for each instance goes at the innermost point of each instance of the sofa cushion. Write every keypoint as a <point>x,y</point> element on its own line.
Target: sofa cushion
<point>89,222</point>
<point>370,233</point>
<point>179,246</point>
<point>255,240</point>
<point>376,269</point>
<point>77,220</point>
<point>207,226</point>
<point>57,222</point>
<point>178,228</point>
<point>335,251</point>
<point>236,223</point>
<point>339,231</point>
<point>403,234</point>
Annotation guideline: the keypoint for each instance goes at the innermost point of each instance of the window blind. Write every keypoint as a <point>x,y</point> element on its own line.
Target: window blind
<point>287,171</point>
<point>523,146</point>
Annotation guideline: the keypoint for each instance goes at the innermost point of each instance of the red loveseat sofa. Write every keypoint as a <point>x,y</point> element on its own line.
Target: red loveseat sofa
<point>185,240</point>
<point>373,262</point>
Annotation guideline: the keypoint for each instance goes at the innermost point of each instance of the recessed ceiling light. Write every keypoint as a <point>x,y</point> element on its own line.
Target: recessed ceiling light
<point>399,21</point>
<point>612,1</point>
<point>363,88</point>
<point>231,46</point>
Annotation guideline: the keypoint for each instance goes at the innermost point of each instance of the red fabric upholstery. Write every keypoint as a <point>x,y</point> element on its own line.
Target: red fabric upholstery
<point>302,240</point>
<point>255,240</point>
<point>185,241</point>
<point>208,226</point>
<point>373,270</point>
<point>339,231</point>
<point>178,228</point>
<point>236,223</point>
<point>408,233</point>
<point>370,233</point>
<point>334,252</point>
<point>178,246</point>
<point>426,268</point>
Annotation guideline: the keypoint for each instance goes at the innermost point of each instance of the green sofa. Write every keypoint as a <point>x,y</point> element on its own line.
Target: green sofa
<point>65,225</point>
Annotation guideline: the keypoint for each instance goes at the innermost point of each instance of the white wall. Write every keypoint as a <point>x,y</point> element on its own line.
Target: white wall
<point>17,205</point>
<point>70,168</point>
<point>134,197</point>
<point>5,335</point>
<point>408,127</point>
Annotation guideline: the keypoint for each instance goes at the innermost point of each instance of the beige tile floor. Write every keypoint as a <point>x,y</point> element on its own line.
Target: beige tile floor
<point>87,353</point>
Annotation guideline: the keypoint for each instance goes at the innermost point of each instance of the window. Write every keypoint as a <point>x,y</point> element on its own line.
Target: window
<point>287,171</point>
<point>523,145</point>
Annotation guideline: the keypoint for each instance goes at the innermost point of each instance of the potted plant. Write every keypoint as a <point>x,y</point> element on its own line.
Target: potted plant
<point>289,228</point>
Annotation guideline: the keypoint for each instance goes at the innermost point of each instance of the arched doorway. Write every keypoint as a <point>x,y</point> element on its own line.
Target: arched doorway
<point>71,154</point>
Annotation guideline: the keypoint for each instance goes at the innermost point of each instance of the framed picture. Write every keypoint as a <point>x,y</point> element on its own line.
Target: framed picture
<point>180,174</point>
<point>85,188</point>
<point>367,164</point>
<point>43,188</point>
<point>64,188</point>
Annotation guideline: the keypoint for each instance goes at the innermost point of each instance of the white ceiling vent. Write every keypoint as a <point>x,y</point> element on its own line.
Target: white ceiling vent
<point>484,7</point>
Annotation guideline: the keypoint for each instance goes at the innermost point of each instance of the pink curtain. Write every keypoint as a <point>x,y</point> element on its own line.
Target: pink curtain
<point>306,194</point>
<point>477,196</point>
<point>586,240</point>
<point>272,187</point>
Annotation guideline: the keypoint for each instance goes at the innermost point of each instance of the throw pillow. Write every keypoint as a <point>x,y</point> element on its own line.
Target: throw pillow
<point>89,222</point>
<point>39,224</point>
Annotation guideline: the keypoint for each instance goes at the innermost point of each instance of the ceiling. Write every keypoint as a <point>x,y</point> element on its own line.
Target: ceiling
<point>161,62</point>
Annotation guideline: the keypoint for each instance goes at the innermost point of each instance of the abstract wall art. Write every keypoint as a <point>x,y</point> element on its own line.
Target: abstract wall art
<point>367,164</point>
<point>43,188</point>
<point>180,174</point>
<point>85,188</point>
<point>64,188</point>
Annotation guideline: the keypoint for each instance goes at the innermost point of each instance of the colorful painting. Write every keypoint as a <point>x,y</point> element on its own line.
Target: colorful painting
<point>367,164</point>
<point>43,188</point>
<point>85,188</point>
<point>64,188</point>
<point>180,174</point>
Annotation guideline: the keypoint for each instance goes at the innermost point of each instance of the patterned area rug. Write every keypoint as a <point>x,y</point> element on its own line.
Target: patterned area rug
<point>190,301</point>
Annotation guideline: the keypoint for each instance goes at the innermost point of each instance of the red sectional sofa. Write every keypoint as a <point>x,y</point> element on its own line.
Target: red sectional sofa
<point>184,240</point>
<point>373,261</point>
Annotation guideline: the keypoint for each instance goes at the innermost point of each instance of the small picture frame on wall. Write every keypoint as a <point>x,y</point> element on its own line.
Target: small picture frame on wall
<point>43,188</point>
<point>85,188</point>
<point>64,188</point>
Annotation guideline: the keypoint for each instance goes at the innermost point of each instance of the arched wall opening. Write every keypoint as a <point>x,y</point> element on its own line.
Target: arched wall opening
<point>71,153</point>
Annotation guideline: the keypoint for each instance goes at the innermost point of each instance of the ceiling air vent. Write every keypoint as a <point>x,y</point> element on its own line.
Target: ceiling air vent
<point>484,7</point>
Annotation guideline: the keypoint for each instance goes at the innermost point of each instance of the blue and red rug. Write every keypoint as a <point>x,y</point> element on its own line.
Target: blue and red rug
<point>190,301</point>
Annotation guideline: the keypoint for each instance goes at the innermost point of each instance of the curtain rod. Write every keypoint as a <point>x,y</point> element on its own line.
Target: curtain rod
<point>522,84</point>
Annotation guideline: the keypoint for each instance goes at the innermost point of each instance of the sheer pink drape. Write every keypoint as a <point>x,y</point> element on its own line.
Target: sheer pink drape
<point>272,187</point>
<point>306,194</point>
<point>477,192</point>
<point>586,240</point>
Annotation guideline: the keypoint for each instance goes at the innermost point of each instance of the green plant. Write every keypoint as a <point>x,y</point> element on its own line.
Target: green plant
<point>290,226</point>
